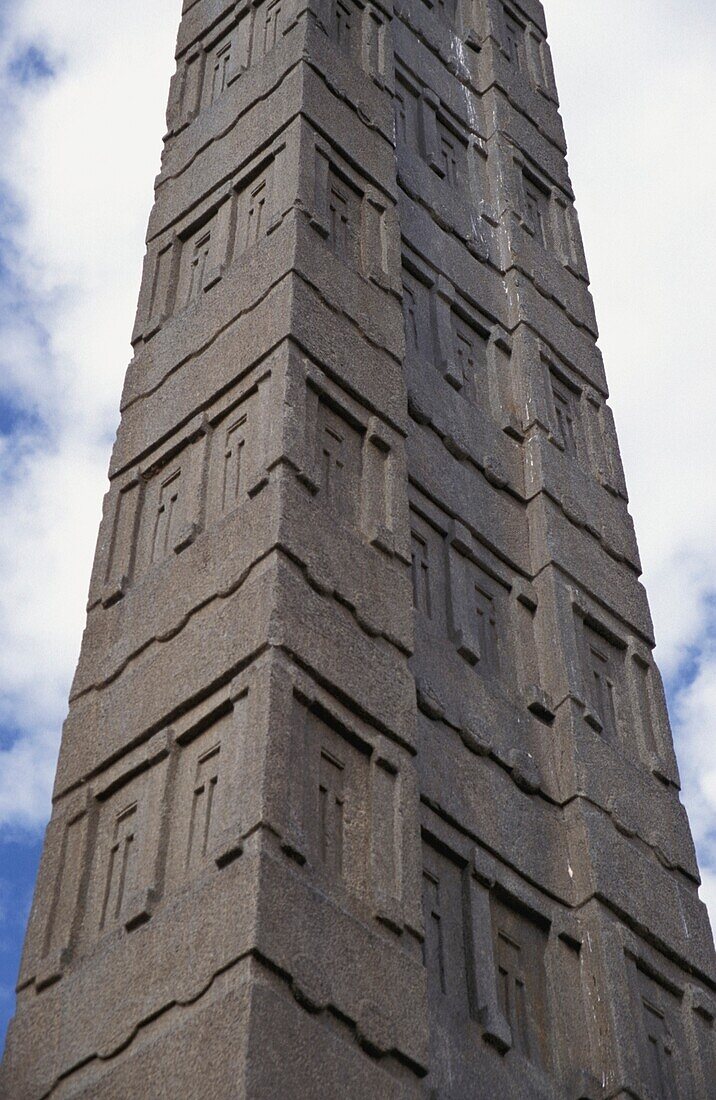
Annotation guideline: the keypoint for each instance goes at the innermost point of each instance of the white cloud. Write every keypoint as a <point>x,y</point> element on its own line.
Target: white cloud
<point>79,155</point>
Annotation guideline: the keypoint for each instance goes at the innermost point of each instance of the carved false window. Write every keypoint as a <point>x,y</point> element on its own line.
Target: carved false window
<point>483,593</point>
<point>566,416</point>
<point>233,466</point>
<point>339,462</point>
<point>514,40</point>
<point>422,596</point>
<point>406,115</point>
<point>444,946</point>
<point>451,155</point>
<point>434,943</point>
<point>121,869</point>
<point>127,848</point>
<point>428,570</point>
<point>344,218</point>
<point>642,676</point>
<point>338,826</point>
<point>445,9</point>
<point>536,209</point>
<point>207,802</point>
<point>219,68</point>
<point>657,1047</point>
<point>345,25</point>
<point>519,949</point>
<point>253,212</point>
<point>195,262</point>
<point>603,681</point>
<point>256,213</point>
<point>167,517</point>
<point>331,806</point>
<point>416,312</point>
<point>470,349</point>
<point>269,23</point>
<point>202,816</point>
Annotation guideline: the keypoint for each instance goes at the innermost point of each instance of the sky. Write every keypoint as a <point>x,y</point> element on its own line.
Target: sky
<point>82,113</point>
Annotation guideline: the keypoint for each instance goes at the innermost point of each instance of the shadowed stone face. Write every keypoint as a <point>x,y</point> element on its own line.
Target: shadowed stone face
<point>367,787</point>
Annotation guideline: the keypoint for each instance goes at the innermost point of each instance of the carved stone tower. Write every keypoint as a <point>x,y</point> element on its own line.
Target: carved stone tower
<point>367,788</point>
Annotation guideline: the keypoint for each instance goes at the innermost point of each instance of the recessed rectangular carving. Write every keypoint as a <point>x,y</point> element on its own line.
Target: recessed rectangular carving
<point>121,864</point>
<point>127,852</point>
<point>642,675</point>
<point>254,211</point>
<point>219,66</point>
<point>536,208</point>
<point>344,218</point>
<point>331,804</point>
<point>337,805</point>
<point>416,311</point>
<point>339,461</point>
<point>208,806</point>
<point>428,569</point>
<point>422,596</point>
<point>385,855</point>
<point>345,25</point>
<point>566,415</point>
<point>196,262</point>
<point>444,9</point>
<point>519,949</point>
<point>470,367</point>
<point>167,516</point>
<point>232,481</point>
<point>514,41</point>
<point>604,675</point>
<point>658,1011</point>
<point>122,546</point>
<point>270,24</point>
<point>407,114</point>
<point>66,888</point>
<point>444,946</point>
<point>485,608</point>
<point>202,819</point>
<point>451,154</point>
<point>236,465</point>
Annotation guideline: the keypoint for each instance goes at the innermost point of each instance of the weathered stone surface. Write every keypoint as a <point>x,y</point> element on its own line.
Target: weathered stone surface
<point>367,787</point>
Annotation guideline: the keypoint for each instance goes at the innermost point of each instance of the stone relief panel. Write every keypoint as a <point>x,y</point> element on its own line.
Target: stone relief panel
<point>171,506</point>
<point>339,461</point>
<point>445,946</point>
<point>346,817</point>
<point>519,946</point>
<point>184,264</point>
<point>197,478</point>
<point>606,688</point>
<point>464,593</point>
<point>337,787</point>
<point>166,814</point>
<point>501,971</point>
<point>351,216</point>
<point>212,65</point>
<point>350,461</point>
<point>470,351</point>
<point>525,48</point>
<point>428,564</point>
<point>124,879</point>
<point>429,128</point>
<point>660,1036</point>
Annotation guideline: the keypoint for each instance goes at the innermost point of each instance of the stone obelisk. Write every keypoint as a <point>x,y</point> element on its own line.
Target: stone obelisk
<point>367,788</point>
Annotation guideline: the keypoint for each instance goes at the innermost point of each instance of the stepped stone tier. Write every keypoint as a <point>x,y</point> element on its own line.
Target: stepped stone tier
<point>367,789</point>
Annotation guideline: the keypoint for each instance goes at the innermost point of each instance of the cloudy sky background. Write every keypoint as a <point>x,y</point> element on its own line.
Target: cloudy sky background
<point>81,115</point>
